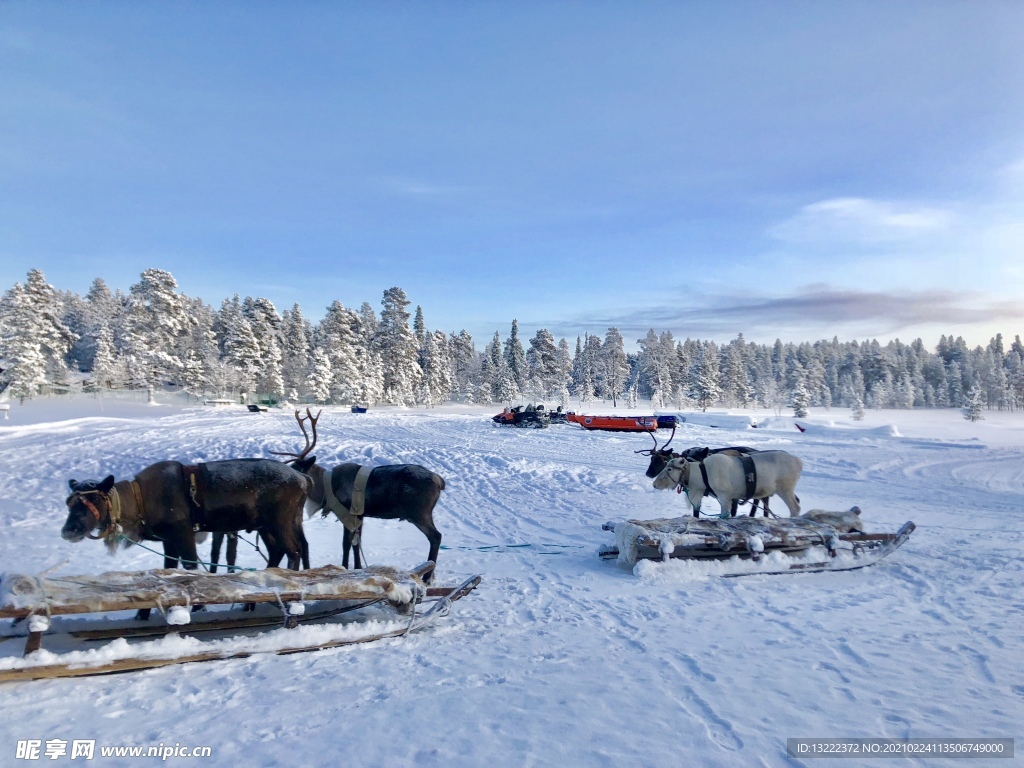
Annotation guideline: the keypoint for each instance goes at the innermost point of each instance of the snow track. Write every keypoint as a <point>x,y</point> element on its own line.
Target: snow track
<point>558,657</point>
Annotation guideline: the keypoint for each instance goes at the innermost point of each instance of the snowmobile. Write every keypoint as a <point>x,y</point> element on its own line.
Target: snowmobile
<point>520,416</point>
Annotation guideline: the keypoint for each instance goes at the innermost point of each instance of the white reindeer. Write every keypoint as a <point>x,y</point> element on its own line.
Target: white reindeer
<point>777,473</point>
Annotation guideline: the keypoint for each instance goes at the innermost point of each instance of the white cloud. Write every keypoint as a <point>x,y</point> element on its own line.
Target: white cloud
<point>821,311</point>
<point>862,221</point>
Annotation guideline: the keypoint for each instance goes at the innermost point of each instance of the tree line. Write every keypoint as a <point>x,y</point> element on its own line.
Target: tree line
<point>154,336</point>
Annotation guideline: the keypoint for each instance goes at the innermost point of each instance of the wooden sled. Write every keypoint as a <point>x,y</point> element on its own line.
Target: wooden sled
<point>806,545</point>
<point>281,594</point>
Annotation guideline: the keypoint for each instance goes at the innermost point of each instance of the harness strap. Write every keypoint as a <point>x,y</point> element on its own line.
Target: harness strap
<point>359,490</point>
<point>749,475</point>
<point>137,491</point>
<point>708,491</point>
<point>351,518</point>
<point>83,496</point>
<point>194,476</point>
<point>114,504</point>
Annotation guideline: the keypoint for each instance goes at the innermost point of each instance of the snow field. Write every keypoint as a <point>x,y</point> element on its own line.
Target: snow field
<point>560,657</point>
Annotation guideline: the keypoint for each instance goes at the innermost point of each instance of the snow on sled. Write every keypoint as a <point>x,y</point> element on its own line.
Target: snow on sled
<point>348,607</point>
<point>816,541</point>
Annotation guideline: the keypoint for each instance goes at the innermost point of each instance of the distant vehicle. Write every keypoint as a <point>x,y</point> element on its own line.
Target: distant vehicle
<point>616,423</point>
<point>520,416</point>
<point>359,409</point>
<point>557,416</point>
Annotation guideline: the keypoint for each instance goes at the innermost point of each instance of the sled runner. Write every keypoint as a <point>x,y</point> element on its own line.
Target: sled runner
<point>281,596</point>
<point>817,541</point>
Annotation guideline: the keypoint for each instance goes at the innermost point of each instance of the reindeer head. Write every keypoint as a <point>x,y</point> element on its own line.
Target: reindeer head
<point>675,474</point>
<point>88,508</point>
<point>659,456</point>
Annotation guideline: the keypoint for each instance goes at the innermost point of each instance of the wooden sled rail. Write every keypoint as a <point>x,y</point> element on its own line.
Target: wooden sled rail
<point>712,542</point>
<point>25,596</point>
<point>445,596</point>
<point>214,624</point>
<point>704,547</point>
<point>32,597</point>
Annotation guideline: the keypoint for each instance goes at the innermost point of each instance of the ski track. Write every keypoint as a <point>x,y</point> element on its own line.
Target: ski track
<point>559,657</point>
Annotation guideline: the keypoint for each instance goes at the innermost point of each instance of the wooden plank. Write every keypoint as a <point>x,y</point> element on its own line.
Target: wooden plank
<point>710,553</point>
<point>164,588</point>
<point>212,625</point>
<point>249,622</point>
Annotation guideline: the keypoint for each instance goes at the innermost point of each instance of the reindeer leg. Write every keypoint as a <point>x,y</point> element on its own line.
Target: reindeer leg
<point>186,546</point>
<point>170,563</point>
<point>791,501</point>
<point>727,505</point>
<point>218,540</point>
<point>305,549</point>
<point>232,551</point>
<point>275,551</point>
<point>753,508</point>
<point>735,507</point>
<point>357,548</point>
<point>346,546</point>
<point>764,507</point>
<point>294,546</point>
<point>433,535</point>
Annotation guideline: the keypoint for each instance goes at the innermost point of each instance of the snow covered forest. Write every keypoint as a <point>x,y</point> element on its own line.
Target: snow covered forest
<point>155,337</point>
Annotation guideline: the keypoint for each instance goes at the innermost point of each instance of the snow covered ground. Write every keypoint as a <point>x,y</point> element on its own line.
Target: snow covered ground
<point>560,658</point>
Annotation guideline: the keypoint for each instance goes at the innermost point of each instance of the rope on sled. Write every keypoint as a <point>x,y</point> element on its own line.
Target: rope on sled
<point>502,547</point>
<point>181,559</point>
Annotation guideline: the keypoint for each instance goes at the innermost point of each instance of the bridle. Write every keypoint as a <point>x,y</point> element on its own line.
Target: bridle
<point>678,481</point>
<point>113,502</point>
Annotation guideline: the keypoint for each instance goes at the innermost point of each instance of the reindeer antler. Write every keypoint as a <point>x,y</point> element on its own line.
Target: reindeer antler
<point>650,451</point>
<point>656,449</point>
<point>670,436</point>
<point>309,445</point>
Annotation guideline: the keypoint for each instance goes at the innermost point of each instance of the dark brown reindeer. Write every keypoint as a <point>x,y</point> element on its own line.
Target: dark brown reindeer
<point>392,492</point>
<point>169,502</point>
<point>660,458</point>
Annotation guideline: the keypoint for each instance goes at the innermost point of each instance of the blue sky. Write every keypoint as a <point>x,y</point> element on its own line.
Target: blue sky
<point>796,170</point>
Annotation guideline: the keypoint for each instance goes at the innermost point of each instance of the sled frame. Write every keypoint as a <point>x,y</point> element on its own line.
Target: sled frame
<point>443,598</point>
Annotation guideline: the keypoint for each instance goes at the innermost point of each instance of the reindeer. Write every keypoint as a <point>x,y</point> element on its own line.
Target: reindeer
<point>391,492</point>
<point>724,477</point>
<point>169,502</point>
<point>660,457</point>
